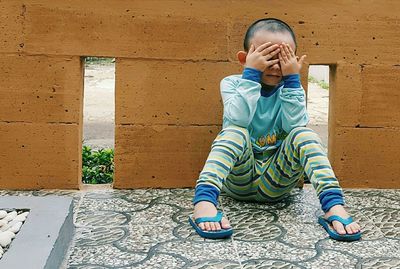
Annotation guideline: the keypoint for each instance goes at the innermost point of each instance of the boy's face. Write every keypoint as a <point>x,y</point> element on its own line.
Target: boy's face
<point>272,75</point>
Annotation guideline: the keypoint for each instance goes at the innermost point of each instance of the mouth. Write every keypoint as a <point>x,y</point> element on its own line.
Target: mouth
<point>273,76</point>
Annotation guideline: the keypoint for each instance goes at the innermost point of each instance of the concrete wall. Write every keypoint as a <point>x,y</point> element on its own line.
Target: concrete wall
<point>171,56</point>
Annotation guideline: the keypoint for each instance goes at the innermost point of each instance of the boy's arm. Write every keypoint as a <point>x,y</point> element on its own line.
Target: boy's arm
<point>240,103</point>
<point>294,113</point>
<point>240,96</point>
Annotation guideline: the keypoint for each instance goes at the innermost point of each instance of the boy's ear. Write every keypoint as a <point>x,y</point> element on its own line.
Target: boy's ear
<point>241,55</point>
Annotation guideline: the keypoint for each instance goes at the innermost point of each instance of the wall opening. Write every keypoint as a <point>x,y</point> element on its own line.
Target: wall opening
<point>98,120</point>
<point>318,100</point>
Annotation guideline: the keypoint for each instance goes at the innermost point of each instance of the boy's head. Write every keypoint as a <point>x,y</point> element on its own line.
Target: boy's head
<point>268,30</point>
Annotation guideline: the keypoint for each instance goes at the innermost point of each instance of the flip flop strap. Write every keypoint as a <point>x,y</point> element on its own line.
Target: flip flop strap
<point>345,222</point>
<point>217,218</point>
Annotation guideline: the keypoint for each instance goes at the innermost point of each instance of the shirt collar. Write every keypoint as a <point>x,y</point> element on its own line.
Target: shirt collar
<point>268,90</point>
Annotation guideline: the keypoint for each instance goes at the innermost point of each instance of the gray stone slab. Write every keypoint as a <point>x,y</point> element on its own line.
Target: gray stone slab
<point>45,235</point>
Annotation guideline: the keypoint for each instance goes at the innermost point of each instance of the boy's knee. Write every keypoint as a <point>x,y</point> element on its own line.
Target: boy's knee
<point>303,133</point>
<point>235,133</point>
<point>236,129</point>
<point>301,129</point>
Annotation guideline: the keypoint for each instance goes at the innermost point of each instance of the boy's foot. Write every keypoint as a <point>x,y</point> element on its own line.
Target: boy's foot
<point>339,210</point>
<point>207,209</point>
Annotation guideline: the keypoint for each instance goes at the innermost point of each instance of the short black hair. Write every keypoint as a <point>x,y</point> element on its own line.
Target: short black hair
<point>267,24</point>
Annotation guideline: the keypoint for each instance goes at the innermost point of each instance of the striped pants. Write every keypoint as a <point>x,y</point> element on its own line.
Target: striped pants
<point>266,177</point>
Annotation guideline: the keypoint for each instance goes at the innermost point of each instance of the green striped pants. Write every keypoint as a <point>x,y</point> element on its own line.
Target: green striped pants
<point>266,177</point>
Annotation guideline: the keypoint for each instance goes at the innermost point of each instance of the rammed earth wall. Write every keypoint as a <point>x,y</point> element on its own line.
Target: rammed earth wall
<point>170,57</point>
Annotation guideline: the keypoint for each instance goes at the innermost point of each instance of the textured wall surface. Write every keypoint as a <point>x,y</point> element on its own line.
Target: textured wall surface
<point>171,56</point>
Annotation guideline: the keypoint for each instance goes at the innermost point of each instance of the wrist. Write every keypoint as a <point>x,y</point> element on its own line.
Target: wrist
<point>288,73</point>
<point>252,74</point>
<point>253,67</point>
<point>292,80</point>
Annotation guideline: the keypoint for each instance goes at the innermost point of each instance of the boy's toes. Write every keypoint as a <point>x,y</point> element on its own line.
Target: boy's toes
<point>349,229</point>
<point>355,227</point>
<point>214,226</point>
<point>339,227</point>
<point>202,226</point>
<point>207,226</point>
<point>225,223</point>
<point>358,227</point>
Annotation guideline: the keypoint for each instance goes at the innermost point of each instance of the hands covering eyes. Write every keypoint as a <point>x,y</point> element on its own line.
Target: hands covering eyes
<point>262,57</point>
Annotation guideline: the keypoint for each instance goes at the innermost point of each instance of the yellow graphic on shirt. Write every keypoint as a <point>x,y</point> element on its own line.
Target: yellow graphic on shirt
<point>270,139</point>
<point>261,141</point>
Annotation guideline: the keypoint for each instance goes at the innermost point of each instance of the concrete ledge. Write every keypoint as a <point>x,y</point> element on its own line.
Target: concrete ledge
<point>45,236</point>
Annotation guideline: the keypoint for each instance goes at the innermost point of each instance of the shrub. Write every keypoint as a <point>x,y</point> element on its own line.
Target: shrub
<point>97,166</point>
<point>322,83</point>
<point>98,60</point>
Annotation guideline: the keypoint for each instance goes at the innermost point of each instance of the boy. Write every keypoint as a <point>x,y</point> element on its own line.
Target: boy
<point>264,147</point>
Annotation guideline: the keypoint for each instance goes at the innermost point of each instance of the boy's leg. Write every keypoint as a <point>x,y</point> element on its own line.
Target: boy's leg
<point>230,153</point>
<point>302,152</point>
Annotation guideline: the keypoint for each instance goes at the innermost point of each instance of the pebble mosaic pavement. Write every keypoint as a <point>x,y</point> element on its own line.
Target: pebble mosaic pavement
<point>148,228</point>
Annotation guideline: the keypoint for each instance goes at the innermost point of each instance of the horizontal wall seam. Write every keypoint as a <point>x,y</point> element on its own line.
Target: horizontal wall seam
<point>175,125</point>
<point>50,122</point>
<point>117,57</point>
<point>368,127</point>
<point>175,60</point>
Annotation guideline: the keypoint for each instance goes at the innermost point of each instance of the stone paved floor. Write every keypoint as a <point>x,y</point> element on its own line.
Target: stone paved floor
<point>149,229</point>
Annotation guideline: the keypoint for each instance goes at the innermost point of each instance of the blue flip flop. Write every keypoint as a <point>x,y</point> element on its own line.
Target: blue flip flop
<point>335,235</point>
<point>223,233</point>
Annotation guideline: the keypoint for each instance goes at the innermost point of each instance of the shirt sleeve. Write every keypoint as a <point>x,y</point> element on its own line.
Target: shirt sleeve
<point>240,97</point>
<point>294,112</point>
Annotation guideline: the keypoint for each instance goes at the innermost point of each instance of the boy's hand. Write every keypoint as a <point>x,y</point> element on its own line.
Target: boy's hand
<point>289,61</point>
<point>260,58</point>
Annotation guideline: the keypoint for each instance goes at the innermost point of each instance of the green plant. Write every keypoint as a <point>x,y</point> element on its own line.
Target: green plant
<point>97,166</point>
<point>98,60</point>
<point>322,83</point>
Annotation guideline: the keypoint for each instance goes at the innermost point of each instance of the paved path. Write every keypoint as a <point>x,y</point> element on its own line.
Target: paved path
<point>99,106</point>
<point>317,107</point>
<point>148,228</point>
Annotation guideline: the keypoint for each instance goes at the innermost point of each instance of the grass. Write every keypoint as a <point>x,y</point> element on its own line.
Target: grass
<point>321,83</point>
